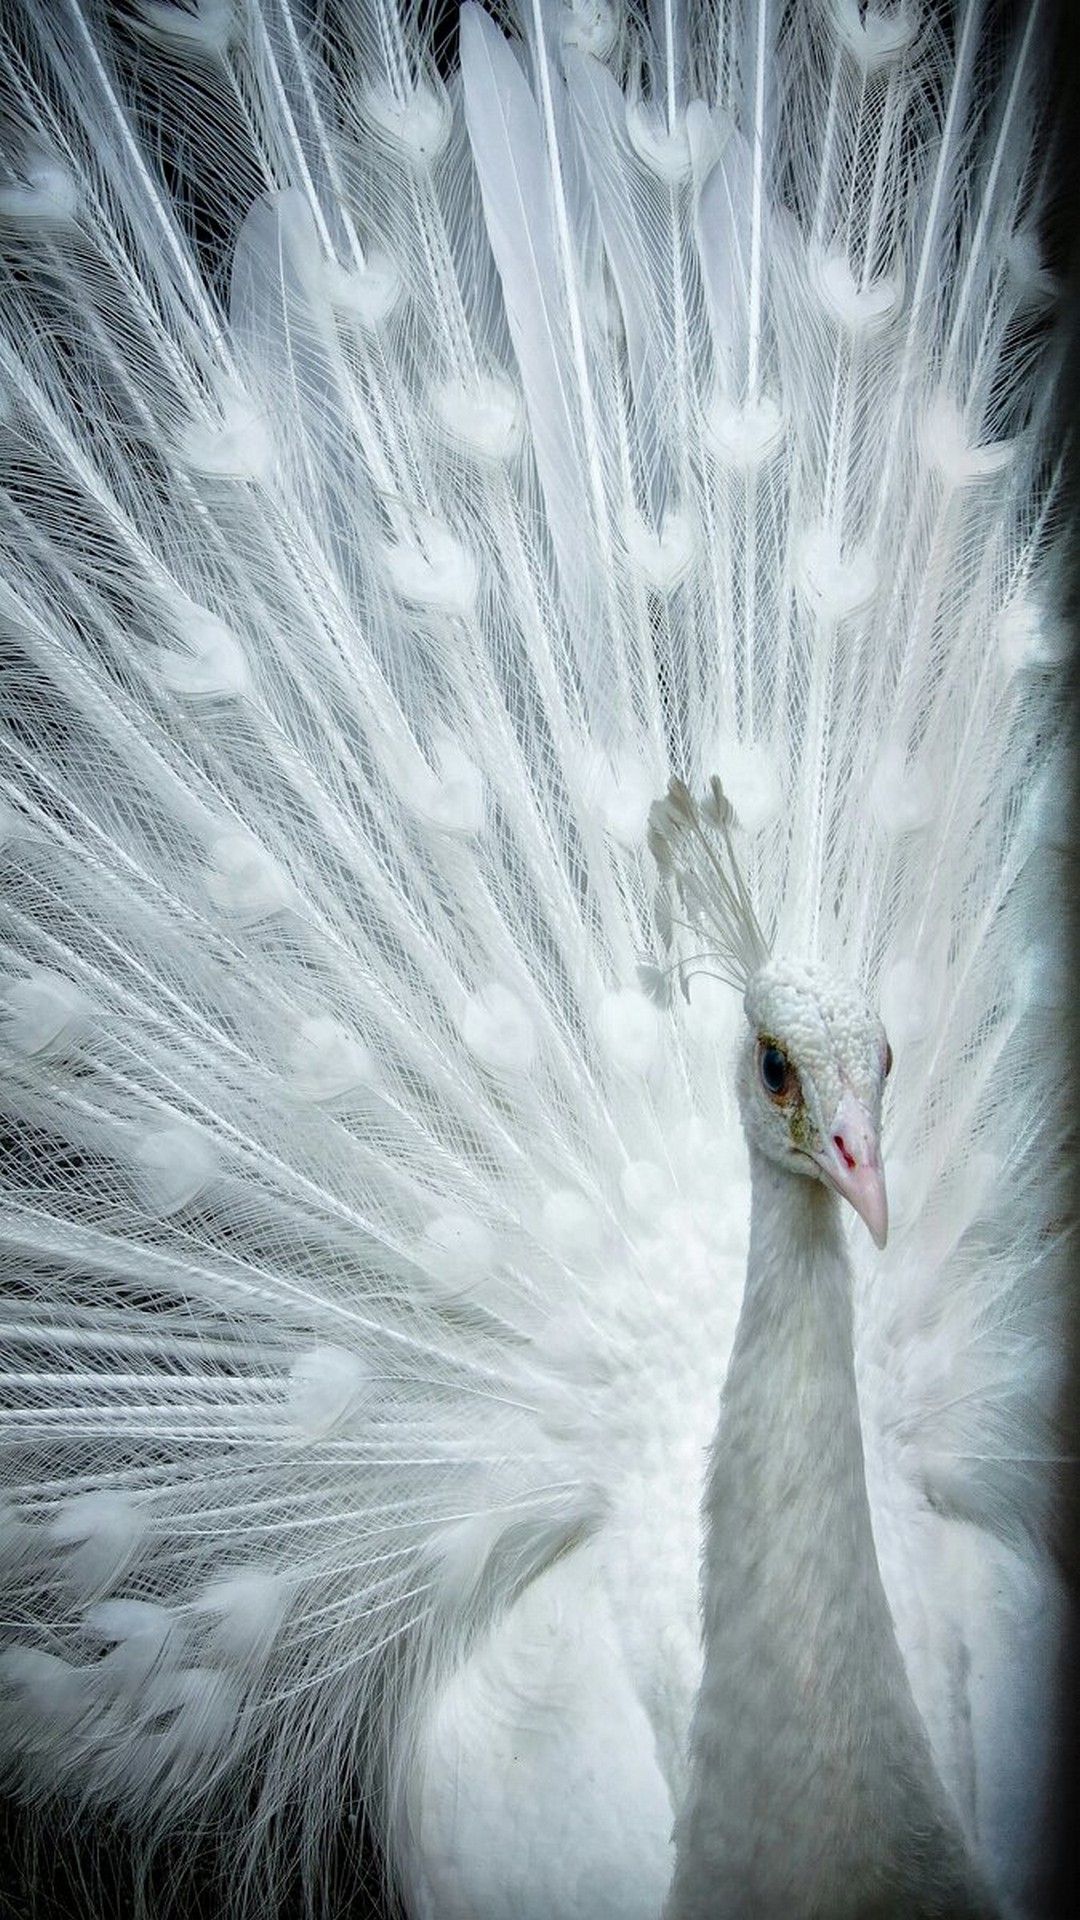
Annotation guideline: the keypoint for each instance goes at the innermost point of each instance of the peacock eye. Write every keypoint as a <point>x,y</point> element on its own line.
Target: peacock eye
<point>775,1070</point>
<point>888,1060</point>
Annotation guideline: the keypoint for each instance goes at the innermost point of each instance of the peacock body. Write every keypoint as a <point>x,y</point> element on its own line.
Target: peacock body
<point>410,463</point>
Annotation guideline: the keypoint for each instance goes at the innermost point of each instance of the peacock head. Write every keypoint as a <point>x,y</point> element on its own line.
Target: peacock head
<point>816,1058</point>
<point>811,1075</point>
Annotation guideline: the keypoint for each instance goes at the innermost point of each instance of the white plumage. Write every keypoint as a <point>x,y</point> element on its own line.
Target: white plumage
<point>408,467</point>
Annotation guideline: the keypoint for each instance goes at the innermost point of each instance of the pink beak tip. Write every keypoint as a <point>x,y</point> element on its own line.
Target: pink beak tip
<point>852,1164</point>
<point>864,1189</point>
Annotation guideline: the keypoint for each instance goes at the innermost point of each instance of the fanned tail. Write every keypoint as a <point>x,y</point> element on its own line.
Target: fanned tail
<point>405,474</point>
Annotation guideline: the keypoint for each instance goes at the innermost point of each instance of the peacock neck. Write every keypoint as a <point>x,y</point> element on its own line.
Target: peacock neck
<point>812,1790</point>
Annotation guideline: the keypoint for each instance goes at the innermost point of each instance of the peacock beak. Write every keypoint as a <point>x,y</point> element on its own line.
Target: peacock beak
<point>850,1159</point>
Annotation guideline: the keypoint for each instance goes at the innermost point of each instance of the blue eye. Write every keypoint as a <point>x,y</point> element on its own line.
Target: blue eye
<point>774,1069</point>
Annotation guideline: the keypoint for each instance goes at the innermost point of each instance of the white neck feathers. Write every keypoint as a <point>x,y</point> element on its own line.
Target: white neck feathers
<point>812,1787</point>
